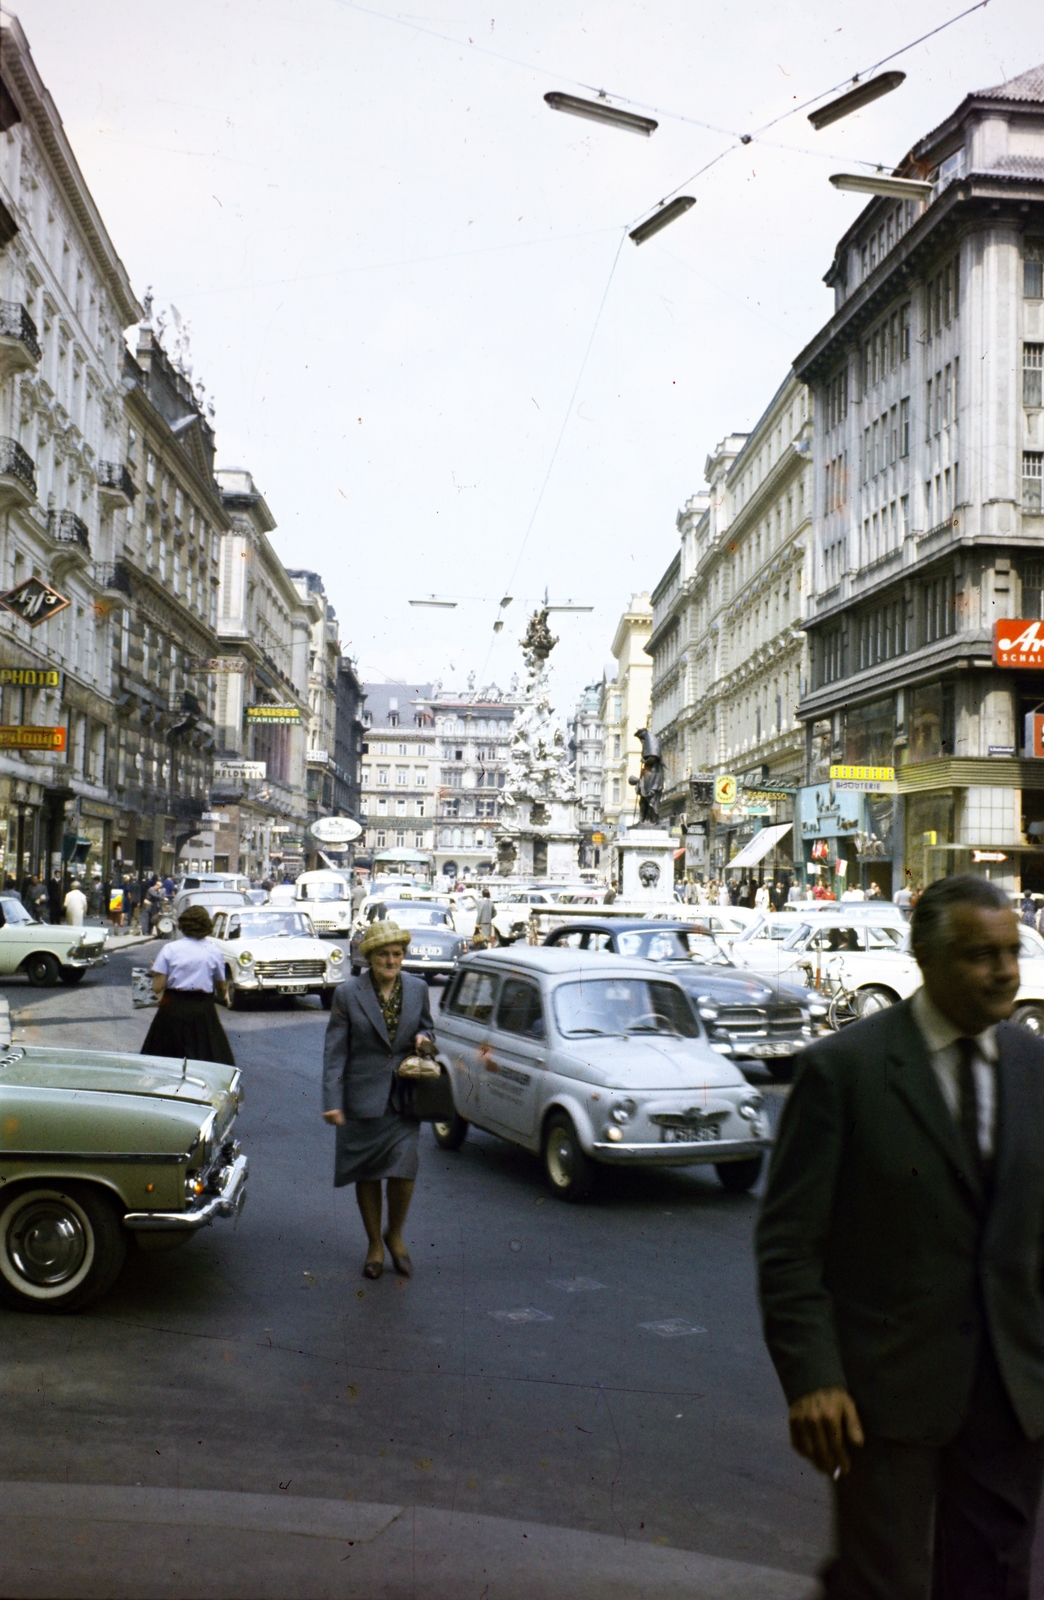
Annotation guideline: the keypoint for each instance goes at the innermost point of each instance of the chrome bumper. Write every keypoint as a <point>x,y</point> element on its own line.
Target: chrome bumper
<point>226,1203</point>
<point>86,961</point>
<point>683,1153</point>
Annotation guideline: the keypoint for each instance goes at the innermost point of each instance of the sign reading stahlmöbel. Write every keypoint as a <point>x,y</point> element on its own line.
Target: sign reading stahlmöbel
<point>1019,643</point>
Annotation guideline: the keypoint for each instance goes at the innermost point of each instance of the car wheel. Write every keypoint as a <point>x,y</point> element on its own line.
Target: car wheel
<point>236,998</point>
<point>1031,1018</point>
<point>570,1172</point>
<point>42,970</point>
<point>59,1247</point>
<point>739,1176</point>
<point>326,998</point>
<point>450,1135</point>
<point>872,999</point>
<point>71,975</point>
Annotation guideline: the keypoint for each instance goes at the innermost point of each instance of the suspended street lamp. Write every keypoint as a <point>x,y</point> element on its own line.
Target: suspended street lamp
<point>662,218</point>
<point>881,183</point>
<point>851,101</point>
<point>600,111</point>
<point>442,605</point>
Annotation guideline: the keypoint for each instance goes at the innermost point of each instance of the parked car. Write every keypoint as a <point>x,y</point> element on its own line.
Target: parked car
<point>100,1148</point>
<point>46,952</point>
<point>868,957</point>
<point>327,898</point>
<point>592,1060</point>
<point>747,1016</point>
<point>271,951</point>
<point>435,945</point>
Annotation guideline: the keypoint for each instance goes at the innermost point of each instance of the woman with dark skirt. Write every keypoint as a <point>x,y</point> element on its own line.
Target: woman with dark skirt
<point>376,1021</point>
<point>186,975</point>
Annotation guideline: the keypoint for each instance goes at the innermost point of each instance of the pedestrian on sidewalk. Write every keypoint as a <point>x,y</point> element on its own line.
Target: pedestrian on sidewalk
<point>899,1262</point>
<point>37,900</point>
<point>376,1021</point>
<point>483,922</point>
<point>75,905</point>
<point>186,975</point>
<point>131,901</point>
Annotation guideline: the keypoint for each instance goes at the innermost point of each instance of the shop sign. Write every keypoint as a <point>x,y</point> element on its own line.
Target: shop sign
<point>598,838</point>
<point>215,819</point>
<point>34,601</point>
<point>1034,734</point>
<point>864,780</point>
<point>1001,750</point>
<point>275,715</point>
<point>318,758</point>
<point>216,664</point>
<point>30,677</point>
<point>763,796</point>
<point>335,830</point>
<point>725,789</point>
<point>12,738</point>
<point>988,855</point>
<point>240,771</point>
<point>1019,643</point>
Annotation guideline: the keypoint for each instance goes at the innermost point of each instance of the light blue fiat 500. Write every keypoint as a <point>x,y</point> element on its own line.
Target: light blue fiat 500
<point>593,1060</point>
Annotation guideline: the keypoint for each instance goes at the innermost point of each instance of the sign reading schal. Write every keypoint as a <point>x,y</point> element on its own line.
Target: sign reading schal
<point>1019,643</point>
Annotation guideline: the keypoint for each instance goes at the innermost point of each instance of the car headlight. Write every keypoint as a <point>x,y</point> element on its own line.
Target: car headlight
<point>751,1109</point>
<point>623,1111</point>
<point>246,959</point>
<point>709,1013</point>
<point>336,954</point>
<point>816,1008</point>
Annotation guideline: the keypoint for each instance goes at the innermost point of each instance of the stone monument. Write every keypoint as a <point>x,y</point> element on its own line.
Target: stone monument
<point>537,833</point>
<point>645,852</point>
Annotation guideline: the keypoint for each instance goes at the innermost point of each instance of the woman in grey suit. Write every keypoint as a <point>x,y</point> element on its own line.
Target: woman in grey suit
<point>376,1021</point>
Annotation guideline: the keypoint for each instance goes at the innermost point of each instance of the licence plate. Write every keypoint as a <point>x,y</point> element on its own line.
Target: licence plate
<point>782,1047</point>
<point>292,988</point>
<point>701,1133</point>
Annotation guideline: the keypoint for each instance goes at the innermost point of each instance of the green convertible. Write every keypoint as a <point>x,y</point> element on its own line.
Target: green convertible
<point>98,1147</point>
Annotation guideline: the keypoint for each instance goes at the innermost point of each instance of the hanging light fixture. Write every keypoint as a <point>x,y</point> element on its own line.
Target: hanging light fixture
<point>600,111</point>
<point>882,183</point>
<point>851,101</point>
<point>662,218</point>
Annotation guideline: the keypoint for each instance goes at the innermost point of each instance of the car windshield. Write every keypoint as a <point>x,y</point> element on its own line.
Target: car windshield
<point>775,928</point>
<point>275,925</point>
<point>14,911</point>
<point>417,916</point>
<point>623,1005</point>
<point>672,944</point>
<point>322,891</point>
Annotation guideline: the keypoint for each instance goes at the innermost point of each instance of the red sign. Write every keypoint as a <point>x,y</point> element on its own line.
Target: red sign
<point>1019,643</point>
<point>12,738</point>
<point>1034,734</point>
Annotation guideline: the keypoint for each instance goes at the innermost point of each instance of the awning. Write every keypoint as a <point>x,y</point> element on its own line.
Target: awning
<point>759,846</point>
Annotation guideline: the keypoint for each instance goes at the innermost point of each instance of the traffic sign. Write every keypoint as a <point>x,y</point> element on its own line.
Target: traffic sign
<point>725,787</point>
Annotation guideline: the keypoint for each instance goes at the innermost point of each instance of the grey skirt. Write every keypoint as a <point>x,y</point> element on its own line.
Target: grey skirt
<point>371,1148</point>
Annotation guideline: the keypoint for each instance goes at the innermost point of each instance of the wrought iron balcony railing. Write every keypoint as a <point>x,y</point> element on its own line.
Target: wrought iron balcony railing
<point>112,575</point>
<point>114,475</point>
<point>65,527</point>
<point>16,463</point>
<point>16,323</point>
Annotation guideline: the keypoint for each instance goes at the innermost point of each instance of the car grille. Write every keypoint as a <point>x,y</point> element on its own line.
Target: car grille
<point>285,971</point>
<point>770,1019</point>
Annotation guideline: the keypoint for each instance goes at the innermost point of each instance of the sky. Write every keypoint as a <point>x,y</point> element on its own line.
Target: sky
<point>409,286</point>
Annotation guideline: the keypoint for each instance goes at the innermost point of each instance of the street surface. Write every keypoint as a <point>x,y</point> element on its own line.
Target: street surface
<point>596,1368</point>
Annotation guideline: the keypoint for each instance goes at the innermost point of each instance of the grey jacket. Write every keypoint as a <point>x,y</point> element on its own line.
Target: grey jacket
<point>359,1060</point>
<point>883,1265</point>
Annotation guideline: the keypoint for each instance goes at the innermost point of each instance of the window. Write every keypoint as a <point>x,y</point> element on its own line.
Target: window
<point>881,634</point>
<point>403,750</point>
<point>382,838</point>
<point>452,779</point>
<point>831,656</point>
<point>616,791</point>
<point>1033,270</point>
<point>451,808</point>
<point>1032,589</point>
<point>382,775</point>
<point>520,1010</point>
<point>904,427</point>
<point>382,805</point>
<point>420,777</point>
<point>837,399</point>
<point>402,776</point>
<point>939,619</point>
<point>1032,475</point>
<point>400,808</point>
<point>1032,365</point>
<point>474,996</point>
<point>400,839</point>
<point>418,841</point>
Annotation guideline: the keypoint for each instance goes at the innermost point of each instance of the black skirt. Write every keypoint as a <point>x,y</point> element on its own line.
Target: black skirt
<point>186,1024</point>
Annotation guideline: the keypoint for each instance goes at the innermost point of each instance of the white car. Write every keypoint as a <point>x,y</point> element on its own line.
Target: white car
<point>271,951</point>
<point>869,958</point>
<point>589,1061</point>
<point>327,899</point>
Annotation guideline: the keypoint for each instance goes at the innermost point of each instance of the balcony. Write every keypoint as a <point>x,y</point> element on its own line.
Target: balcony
<point>65,527</point>
<point>19,346</point>
<point>17,475</point>
<point>113,579</point>
<point>115,485</point>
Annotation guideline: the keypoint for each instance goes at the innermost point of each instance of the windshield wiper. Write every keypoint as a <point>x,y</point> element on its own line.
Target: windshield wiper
<point>601,1032</point>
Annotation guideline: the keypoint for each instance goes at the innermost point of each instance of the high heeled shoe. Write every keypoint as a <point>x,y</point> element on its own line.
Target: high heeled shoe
<point>402,1263</point>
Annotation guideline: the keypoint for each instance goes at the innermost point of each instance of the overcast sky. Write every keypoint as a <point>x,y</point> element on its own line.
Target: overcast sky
<point>393,255</point>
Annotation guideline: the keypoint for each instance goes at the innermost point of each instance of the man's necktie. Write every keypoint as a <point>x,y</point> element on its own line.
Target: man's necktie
<point>968,1112</point>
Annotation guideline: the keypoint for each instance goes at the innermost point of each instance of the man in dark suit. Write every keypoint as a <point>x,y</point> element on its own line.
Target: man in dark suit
<point>899,1252</point>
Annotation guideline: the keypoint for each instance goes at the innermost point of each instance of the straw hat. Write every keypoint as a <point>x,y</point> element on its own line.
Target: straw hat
<point>379,934</point>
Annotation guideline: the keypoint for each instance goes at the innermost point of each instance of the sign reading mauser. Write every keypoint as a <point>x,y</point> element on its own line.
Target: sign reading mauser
<point>273,714</point>
<point>1019,643</point>
<point>14,738</point>
<point>864,780</point>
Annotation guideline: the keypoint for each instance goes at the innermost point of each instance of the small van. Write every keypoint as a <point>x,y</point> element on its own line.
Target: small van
<point>327,897</point>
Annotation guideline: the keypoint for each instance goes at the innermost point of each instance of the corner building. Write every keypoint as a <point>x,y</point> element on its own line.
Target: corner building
<point>928,526</point>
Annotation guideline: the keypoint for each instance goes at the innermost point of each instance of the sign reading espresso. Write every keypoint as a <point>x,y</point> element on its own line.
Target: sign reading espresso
<point>12,738</point>
<point>1019,643</point>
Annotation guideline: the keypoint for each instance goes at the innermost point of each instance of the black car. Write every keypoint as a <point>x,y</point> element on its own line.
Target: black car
<point>747,1016</point>
<point>435,946</point>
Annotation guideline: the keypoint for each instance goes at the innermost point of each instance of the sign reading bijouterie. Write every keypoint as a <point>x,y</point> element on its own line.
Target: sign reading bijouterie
<point>14,738</point>
<point>273,714</point>
<point>34,601</point>
<point>1019,643</point>
<point>30,677</point>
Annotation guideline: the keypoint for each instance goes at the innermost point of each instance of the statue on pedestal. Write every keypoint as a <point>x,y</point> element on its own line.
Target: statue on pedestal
<point>650,783</point>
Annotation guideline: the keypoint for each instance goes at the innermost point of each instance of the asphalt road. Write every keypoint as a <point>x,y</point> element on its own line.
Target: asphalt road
<point>595,1367</point>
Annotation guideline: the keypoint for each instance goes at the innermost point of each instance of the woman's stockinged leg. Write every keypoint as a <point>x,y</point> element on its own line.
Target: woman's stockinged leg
<point>400,1193</point>
<point>368,1196</point>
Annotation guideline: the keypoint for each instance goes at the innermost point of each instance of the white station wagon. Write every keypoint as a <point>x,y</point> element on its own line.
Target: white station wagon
<point>592,1060</point>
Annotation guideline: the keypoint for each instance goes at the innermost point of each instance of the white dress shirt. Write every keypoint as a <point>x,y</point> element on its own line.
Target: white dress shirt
<point>940,1036</point>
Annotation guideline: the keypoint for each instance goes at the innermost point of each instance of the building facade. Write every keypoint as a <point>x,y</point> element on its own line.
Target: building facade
<point>730,659</point>
<point>586,758</point>
<point>348,740</point>
<point>324,655</point>
<point>928,517</point>
<point>625,707</point>
<point>473,738</point>
<point>399,773</point>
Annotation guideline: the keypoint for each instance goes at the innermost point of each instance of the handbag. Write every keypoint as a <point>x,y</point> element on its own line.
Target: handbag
<point>425,1091</point>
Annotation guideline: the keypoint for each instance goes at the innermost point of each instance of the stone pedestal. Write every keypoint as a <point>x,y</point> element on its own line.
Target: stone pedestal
<point>646,857</point>
<point>540,839</point>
